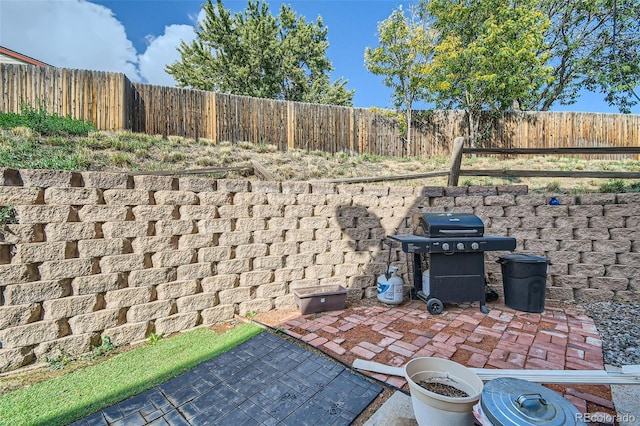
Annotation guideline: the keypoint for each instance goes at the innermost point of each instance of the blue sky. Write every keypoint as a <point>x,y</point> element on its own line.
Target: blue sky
<point>139,37</point>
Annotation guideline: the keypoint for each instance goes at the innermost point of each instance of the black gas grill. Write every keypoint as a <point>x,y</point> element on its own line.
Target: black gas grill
<point>451,246</point>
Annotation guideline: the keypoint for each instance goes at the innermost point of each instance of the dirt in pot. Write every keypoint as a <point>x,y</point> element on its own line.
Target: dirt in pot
<point>442,389</point>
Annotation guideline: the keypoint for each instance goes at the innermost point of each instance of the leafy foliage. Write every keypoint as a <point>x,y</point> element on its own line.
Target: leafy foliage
<point>8,215</point>
<point>487,54</point>
<point>494,56</point>
<point>592,45</point>
<point>256,54</point>
<point>403,58</point>
<point>40,121</point>
<point>104,348</point>
<point>61,360</point>
<point>9,120</point>
<point>154,338</point>
<point>615,186</point>
<point>31,154</point>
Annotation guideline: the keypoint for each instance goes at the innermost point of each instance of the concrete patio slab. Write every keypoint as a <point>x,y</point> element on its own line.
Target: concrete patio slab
<point>396,411</point>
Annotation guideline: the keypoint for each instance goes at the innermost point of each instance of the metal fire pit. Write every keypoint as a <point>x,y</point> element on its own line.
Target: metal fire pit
<point>452,246</point>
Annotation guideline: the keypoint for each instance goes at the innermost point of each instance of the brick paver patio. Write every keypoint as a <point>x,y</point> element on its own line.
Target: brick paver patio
<point>558,338</point>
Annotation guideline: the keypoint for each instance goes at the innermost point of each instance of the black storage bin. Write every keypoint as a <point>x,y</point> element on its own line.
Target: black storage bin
<point>524,280</point>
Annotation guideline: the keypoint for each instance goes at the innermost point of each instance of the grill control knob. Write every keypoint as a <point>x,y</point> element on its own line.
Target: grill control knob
<point>475,246</point>
<point>460,246</point>
<point>445,246</point>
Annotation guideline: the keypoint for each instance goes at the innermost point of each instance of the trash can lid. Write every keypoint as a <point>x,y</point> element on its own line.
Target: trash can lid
<point>516,402</point>
<point>523,258</point>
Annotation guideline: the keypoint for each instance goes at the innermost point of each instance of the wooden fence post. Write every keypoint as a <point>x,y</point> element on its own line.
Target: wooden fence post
<point>456,161</point>
<point>291,125</point>
<point>212,117</point>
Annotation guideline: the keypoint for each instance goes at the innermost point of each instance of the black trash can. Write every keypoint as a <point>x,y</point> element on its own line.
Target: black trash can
<point>524,280</point>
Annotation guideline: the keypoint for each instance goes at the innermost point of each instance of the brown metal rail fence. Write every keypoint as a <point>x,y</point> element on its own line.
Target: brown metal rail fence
<point>459,149</point>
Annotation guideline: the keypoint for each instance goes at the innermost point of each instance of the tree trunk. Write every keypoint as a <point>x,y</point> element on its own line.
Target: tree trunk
<point>409,118</point>
<point>474,123</point>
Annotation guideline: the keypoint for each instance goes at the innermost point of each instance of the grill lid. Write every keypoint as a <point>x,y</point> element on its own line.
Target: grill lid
<point>447,225</point>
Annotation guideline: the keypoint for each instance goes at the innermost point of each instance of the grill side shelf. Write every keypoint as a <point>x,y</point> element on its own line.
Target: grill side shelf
<point>413,243</point>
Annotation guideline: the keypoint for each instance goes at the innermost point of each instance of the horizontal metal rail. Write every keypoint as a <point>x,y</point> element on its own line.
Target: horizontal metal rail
<point>549,151</point>
<point>459,149</point>
<point>551,173</point>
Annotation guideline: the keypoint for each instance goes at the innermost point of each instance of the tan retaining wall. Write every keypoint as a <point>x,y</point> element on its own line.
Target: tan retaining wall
<point>99,254</point>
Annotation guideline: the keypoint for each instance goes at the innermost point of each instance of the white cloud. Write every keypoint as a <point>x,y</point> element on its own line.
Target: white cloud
<point>162,51</point>
<point>83,35</point>
<point>68,33</point>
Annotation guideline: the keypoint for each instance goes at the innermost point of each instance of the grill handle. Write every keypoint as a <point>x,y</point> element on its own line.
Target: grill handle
<point>458,231</point>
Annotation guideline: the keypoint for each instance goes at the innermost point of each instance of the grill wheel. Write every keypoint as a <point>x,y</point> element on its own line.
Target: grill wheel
<point>435,306</point>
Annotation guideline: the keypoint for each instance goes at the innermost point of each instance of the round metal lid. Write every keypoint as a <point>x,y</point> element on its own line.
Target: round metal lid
<point>516,402</point>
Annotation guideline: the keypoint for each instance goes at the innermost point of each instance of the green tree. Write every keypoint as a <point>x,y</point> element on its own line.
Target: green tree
<point>403,58</point>
<point>487,55</point>
<point>256,54</point>
<point>593,45</point>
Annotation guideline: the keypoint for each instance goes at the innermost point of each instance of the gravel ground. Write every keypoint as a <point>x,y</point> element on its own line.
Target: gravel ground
<point>618,327</point>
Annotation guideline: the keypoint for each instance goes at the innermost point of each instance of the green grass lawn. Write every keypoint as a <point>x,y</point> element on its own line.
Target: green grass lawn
<point>67,398</point>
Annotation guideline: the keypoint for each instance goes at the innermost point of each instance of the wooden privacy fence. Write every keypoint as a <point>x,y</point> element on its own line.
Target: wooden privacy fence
<point>111,102</point>
<point>106,99</point>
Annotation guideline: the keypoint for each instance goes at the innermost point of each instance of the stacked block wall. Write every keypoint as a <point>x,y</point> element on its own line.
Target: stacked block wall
<point>102,254</point>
